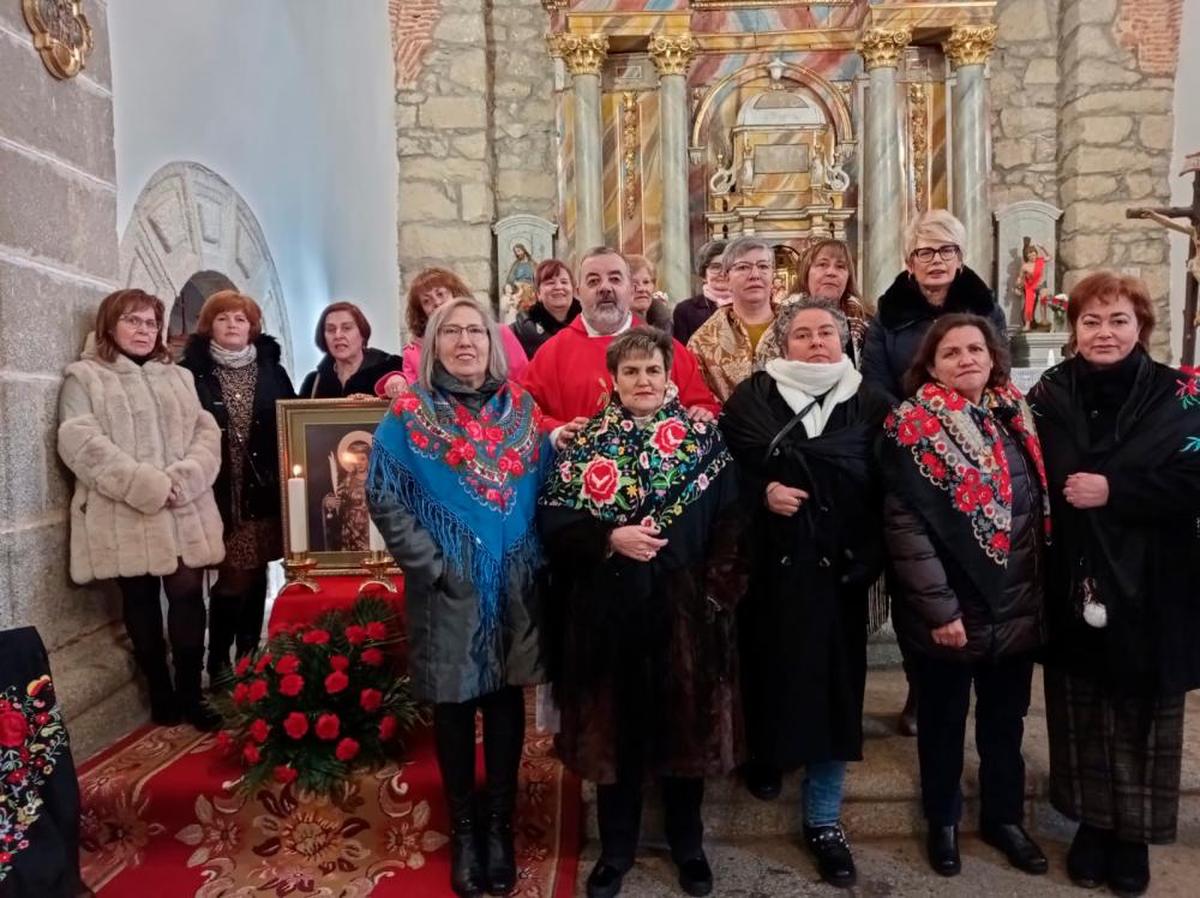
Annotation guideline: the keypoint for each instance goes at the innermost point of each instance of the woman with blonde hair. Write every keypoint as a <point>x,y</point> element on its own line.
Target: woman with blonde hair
<point>145,454</point>
<point>239,379</point>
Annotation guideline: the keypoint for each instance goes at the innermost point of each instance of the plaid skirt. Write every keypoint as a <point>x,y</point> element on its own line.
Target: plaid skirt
<point>1114,760</point>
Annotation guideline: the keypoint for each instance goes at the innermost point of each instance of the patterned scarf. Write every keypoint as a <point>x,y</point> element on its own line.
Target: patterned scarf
<point>958,451</point>
<point>622,471</point>
<point>471,480</point>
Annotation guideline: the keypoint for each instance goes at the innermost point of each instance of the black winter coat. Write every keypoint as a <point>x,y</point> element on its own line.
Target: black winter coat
<point>1002,610</point>
<point>689,315</point>
<point>803,623</point>
<point>535,325</point>
<point>905,315</point>
<point>1143,547</point>
<point>323,383</point>
<point>260,492</point>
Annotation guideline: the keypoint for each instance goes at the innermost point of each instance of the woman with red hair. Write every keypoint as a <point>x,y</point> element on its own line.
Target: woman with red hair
<point>554,308</point>
<point>1122,439</point>
<point>239,379</point>
<point>429,291</point>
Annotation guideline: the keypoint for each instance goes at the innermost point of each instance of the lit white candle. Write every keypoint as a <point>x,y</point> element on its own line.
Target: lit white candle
<point>377,543</point>
<point>297,494</point>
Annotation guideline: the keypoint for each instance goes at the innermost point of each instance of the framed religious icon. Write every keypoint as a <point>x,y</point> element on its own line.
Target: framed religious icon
<point>324,450</point>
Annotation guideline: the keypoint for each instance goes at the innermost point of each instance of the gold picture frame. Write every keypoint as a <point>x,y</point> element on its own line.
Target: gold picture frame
<point>321,439</point>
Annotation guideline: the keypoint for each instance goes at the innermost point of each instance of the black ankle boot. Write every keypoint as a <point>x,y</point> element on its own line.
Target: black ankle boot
<point>501,855</point>
<point>763,781</point>
<point>466,866</point>
<point>831,850</point>
<point>164,705</point>
<point>1129,867</point>
<point>195,710</point>
<point>1088,857</point>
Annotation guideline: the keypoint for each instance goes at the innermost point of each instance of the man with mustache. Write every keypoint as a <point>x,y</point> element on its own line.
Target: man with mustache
<point>726,344</point>
<point>569,377</point>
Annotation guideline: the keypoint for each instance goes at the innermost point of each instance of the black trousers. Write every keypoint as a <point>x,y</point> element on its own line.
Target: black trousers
<point>1001,703</point>
<point>143,611</point>
<point>619,810</point>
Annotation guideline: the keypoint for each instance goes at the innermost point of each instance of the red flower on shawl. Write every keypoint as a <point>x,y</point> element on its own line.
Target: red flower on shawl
<point>420,440</point>
<point>474,430</point>
<point>460,450</point>
<point>406,402</point>
<point>965,498</point>
<point>600,480</point>
<point>510,463</point>
<point>668,436</point>
<point>13,729</point>
<point>1000,541</point>
<point>493,434</point>
<point>907,433</point>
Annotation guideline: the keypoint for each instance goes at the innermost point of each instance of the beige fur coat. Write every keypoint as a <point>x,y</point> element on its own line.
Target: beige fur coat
<point>130,433</point>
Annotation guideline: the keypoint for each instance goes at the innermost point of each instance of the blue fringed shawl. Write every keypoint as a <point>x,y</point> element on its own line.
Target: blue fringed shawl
<point>471,480</point>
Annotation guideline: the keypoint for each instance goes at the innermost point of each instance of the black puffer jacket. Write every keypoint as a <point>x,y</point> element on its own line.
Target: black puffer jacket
<point>324,384</point>
<point>535,325</point>
<point>931,587</point>
<point>905,315</point>
<point>260,491</point>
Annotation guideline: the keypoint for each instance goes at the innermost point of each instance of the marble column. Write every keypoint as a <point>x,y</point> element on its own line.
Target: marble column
<point>671,55</point>
<point>968,48</point>
<point>883,187</point>
<point>584,55</point>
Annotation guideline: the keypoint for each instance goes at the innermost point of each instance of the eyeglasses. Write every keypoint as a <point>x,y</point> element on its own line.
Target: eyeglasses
<point>747,267</point>
<point>947,253</point>
<point>140,324</point>
<point>454,331</point>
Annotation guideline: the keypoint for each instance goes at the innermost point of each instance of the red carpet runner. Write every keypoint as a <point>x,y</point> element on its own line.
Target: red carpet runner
<point>160,819</point>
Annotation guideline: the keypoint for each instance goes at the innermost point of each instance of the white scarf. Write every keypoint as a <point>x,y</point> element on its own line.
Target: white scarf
<point>233,358</point>
<point>800,383</point>
<point>721,300</point>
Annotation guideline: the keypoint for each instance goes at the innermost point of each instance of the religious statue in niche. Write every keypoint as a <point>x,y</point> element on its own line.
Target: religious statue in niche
<point>1038,311</point>
<point>522,269</point>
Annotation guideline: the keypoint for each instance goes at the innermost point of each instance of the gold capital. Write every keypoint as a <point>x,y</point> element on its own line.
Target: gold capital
<point>584,53</point>
<point>672,52</point>
<point>970,44</point>
<point>554,43</point>
<point>882,47</point>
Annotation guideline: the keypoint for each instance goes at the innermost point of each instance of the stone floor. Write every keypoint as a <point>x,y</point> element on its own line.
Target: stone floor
<point>754,851</point>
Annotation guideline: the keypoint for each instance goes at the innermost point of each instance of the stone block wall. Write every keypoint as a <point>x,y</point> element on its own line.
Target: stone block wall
<point>475,124</point>
<point>1082,95</point>
<point>58,259</point>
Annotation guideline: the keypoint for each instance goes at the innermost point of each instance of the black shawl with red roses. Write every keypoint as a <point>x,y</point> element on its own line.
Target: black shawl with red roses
<point>945,456</point>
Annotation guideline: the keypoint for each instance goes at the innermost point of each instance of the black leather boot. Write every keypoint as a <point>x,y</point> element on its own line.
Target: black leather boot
<point>1129,867</point>
<point>466,866</point>
<point>454,739</point>
<point>942,847</point>
<point>503,740</point>
<point>831,850</point>
<point>763,780</point>
<point>164,705</point>
<point>196,711</point>
<point>1088,857</point>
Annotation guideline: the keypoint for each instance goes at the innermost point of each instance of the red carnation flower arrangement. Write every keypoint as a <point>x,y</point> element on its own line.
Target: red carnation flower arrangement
<point>319,702</point>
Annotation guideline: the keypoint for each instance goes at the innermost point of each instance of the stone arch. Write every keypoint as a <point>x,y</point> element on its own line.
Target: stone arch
<point>188,219</point>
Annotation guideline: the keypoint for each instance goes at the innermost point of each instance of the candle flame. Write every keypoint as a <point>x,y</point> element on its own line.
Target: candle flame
<point>296,470</point>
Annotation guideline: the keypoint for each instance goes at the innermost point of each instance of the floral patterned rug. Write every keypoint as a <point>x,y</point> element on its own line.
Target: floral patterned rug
<point>160,817</point>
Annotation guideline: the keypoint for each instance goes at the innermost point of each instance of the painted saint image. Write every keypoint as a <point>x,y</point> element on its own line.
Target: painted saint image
<point>523,267</point>
<point>344,510</point>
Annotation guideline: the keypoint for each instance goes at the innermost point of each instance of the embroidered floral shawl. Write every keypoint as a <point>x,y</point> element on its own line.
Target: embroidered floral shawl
<point>622,473</point>
<point>470,480</point>
<point>956,459</point>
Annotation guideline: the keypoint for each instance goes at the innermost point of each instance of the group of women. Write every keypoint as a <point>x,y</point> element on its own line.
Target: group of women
<point>696,592</point>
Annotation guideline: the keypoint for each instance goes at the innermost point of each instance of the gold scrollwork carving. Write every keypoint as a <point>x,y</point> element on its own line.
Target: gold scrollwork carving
<point>584,53</point>
<point>554,43</point>
<point>61,34</point>
<point>970,44</point>
<point>883,47</point>
<point>672,53</point>
<point>629,143</point>
<point>918,130</point>
<point>553,6</point>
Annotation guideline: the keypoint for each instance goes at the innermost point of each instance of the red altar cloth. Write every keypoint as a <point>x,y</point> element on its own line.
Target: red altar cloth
<point>298,605</point>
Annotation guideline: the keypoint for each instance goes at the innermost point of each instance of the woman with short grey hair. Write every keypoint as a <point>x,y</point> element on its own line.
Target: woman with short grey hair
<point>455,471</point>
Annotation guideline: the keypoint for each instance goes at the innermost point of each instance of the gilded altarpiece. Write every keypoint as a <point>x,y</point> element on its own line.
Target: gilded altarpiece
<point>775,104</point>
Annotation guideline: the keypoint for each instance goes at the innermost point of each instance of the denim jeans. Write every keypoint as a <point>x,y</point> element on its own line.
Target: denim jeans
<point>822,792</point>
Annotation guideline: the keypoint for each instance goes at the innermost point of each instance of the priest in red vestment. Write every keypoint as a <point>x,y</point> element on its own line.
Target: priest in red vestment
<point>568,376</point>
